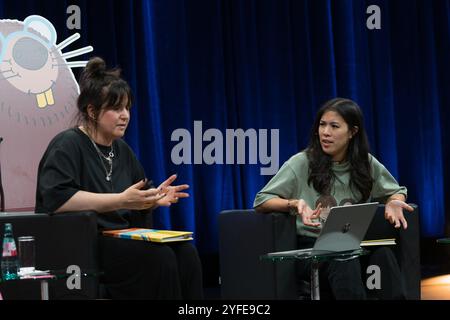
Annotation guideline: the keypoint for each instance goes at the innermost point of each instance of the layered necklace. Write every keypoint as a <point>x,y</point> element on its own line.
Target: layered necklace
<point>109,158</point>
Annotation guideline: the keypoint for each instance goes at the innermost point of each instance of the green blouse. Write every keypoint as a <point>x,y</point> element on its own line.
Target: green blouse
<point>291,182</point>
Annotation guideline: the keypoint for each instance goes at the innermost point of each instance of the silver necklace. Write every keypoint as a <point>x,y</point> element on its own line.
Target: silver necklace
<point>108,158</point>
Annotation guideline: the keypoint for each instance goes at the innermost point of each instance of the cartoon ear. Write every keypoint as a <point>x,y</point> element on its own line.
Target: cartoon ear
<point>41,25</point>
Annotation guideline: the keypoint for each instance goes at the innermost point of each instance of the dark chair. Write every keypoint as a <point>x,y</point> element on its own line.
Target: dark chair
<point>61,240</point>
<point>244,235</point>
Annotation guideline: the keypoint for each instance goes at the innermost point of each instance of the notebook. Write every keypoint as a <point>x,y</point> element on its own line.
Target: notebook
<point>344,230</point>
<point>153,235</point>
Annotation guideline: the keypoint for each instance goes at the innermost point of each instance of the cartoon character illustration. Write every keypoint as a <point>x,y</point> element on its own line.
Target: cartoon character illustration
<point>347,202</point>
<point>30,59</point>
<point>327,202</point>
<point>38,94</point>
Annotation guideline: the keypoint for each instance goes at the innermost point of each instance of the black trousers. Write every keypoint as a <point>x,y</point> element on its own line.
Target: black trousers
<point>346,280</point>
<point>392,283</point>
<point>145,270</point>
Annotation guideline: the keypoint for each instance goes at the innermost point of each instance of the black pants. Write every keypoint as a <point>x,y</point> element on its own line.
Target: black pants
<point>346,280</point>
<point>392,284</point>
<point>145,270</point>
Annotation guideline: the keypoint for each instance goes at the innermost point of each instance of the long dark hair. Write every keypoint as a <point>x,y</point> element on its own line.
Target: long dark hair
<point>321,174</point>
<point>101,88</point>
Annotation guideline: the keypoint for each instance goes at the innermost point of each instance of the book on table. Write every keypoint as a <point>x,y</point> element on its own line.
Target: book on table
<point>378,242</point>
<point>153,235</point>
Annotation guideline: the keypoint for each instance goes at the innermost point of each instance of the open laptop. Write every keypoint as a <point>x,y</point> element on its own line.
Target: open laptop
<point>343,230</point>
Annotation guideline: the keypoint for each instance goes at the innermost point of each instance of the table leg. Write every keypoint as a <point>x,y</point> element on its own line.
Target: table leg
<point>44,290</point>
<point>315,289</point>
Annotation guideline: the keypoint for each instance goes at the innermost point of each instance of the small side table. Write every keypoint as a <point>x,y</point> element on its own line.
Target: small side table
<point>52,275</point>
<point>316,258</point>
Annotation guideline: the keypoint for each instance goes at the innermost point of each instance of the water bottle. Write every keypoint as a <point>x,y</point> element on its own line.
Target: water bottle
<point>10,261</point>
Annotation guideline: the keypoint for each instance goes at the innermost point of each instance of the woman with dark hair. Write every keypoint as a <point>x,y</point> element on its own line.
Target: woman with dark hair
<point>336,164</point>
<point>90,168</point>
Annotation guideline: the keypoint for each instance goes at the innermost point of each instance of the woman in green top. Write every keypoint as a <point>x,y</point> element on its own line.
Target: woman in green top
<point>335,169</point>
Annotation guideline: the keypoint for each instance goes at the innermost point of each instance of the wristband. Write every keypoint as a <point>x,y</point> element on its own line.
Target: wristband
<point>293,211</point>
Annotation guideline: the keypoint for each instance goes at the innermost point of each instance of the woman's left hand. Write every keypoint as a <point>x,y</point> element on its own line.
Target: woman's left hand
<point>173,193</point>
<point>393,212</point>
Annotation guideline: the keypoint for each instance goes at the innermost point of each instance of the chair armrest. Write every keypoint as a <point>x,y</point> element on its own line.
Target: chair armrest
<point>62,240</point>
<point>407,250</point>
<point>74,239</point>
<point>244,236</point>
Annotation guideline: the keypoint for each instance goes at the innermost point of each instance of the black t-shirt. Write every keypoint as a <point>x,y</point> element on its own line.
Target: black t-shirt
<point>71,163</point>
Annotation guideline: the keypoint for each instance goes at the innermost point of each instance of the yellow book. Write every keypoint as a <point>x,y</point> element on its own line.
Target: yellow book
<point>153,235</point>
<point>378,242</point>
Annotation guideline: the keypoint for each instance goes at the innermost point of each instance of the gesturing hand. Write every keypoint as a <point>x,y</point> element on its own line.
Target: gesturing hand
<point>308,214</point>
<point>393,212</point>
<point>172,193</point>
<point>134,198</point>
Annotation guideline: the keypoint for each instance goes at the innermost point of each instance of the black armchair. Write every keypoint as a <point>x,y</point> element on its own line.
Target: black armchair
<point>244,235</point>
<point>61,240</point>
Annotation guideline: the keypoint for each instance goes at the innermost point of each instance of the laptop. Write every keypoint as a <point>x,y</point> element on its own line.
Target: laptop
<point>343,230</point>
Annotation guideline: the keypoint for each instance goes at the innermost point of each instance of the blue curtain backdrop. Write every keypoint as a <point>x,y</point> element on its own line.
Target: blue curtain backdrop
<point>270,65</point>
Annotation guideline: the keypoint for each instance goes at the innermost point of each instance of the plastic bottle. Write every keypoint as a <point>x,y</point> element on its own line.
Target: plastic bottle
<point>10,261</point>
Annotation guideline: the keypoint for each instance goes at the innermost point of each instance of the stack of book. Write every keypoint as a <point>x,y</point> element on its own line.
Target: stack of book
<point>378,242</point>
<point>153,235</point>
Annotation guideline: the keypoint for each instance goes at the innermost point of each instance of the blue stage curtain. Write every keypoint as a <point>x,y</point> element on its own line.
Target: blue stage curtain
<point>270,65</point>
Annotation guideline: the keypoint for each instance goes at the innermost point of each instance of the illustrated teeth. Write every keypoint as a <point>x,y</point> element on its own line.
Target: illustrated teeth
<point>49,97</point>
<point>41,100</point>
<point>45,99</point>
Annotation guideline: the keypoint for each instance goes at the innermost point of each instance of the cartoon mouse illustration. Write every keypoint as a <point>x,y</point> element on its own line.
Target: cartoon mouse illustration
<point>38,94</point>
<point>30,59</point>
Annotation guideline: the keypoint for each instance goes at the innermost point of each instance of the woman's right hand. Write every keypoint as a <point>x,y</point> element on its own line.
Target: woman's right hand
<point>308,214</point>
<point>134,198</point>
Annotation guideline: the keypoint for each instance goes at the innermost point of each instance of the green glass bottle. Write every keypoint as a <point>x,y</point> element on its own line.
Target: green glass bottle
<point>10,261</point>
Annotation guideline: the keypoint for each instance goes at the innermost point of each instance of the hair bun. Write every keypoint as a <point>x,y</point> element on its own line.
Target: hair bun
<point>96,67</point>
<point>95,73</point>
